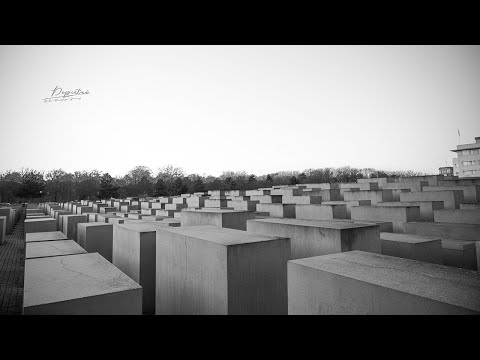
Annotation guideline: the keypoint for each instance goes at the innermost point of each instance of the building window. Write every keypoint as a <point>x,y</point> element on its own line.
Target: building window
<point>468,163</point>
<point>475,152</point>
<point>465,152</point>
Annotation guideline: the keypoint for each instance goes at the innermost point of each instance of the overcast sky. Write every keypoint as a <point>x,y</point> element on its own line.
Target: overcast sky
<point>259,109</point>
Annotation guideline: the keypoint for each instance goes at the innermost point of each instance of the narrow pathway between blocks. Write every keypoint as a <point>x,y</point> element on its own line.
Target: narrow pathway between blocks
<point>12,260</point>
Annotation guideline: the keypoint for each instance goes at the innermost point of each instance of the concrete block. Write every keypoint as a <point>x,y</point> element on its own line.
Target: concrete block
<point>40,225</point>
<point>412,186</point>
<point>84,284</point>
<point>209,270</point>
<point>267,199</point>
<point>8,213</point>
<point>470,206</point>
<point>232,219</point>
<point>92,216</point>
<point>158,205</point>
<point>415,247</point>
<point>115,220</point>
<point>70,223</point>
<point>84,209</point>
<point>41,249</point>
<point>459,253</point>
<point>107,209</point>
<point>457,216</point>
<point>471,193</point>
<point>349,204</point>
<point>325,194</point>
<point>196,201</point>
<point>323,186</point>
<point>244,205</point>
<point>364,186</point>
<point>45,236</point>
<point>106,217</point>
<point>128,208</point>
<point>257,193</point>
<point>97,206</point>
<point>3,229</point>
<point>278,210</point>
<point>426,207</point>
<point>321,212</point>
<point>58,216</point>
<point>451,198</point>
<point>134,254</point>
<point>160,212</point>
<point>383,226</point>
<point>175,207</point>
<point>312,238</point>
<point>374,196</point>
<point>96,237</point>
<point>398,216</point>
<point>301,200</point>
<point>358,282</point>
<point>444,230</point>
<point>215,203</point>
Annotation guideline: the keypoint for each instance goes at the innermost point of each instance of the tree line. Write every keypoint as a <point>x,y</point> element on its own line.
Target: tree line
<point>60,186</point>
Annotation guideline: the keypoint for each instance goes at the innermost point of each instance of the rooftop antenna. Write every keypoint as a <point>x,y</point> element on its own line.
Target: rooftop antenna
<point>458,136</point>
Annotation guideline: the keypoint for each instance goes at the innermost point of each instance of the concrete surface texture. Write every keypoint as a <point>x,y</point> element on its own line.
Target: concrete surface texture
<point>40,225</point>
<point>471,193</point>
<point>459,253</point>
<point>40,249</point>
<point>96,237</point>
<point>312,238</point>
<point>321,211</point>
<point>233,219</point>
<point>45,236</point>
<point>375,196</point>
<point>70,223</point>
<point>398,216</point>
<point>84,284</point>
<point>358,282</point>
<point>134,254</point>
<point>451,198</point>
<point>211,270</point>
<point>426,207</point>
<point>444,230</point>
<point>457,216</point>
<point>421,248</point>
<point>278,210</point>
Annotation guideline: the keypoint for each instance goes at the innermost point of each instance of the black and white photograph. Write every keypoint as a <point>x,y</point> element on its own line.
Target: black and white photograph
<point>152,180</point>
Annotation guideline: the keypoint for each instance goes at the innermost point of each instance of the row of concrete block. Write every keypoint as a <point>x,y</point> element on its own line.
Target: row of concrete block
<point>212,270</point>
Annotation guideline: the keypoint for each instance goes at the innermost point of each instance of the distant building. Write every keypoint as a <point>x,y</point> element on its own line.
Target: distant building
<point>446,171</point>
<point>467,163</point>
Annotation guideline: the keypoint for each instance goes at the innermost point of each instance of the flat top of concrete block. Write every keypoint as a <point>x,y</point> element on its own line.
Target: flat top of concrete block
<point>218,235</point>
<point>75,215</point>
<point>407,238</point>
<point>140,226</point>
<point>110,216</point>
<point>456,286</point>
<point>39,219</point>
<point>62,278</point>
<point>329,224</point>
<point>45,236</point>
<point>94,224</point>
<point>52,248</point>
<point>454,244</point>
